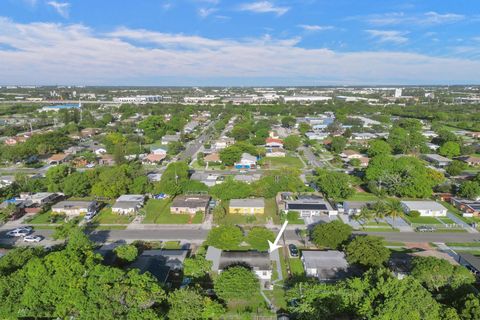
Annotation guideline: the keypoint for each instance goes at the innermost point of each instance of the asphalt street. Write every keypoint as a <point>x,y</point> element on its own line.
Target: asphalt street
<point>199,235</point>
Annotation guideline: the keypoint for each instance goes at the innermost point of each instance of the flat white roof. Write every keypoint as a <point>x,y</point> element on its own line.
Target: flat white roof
<point>424,205</point>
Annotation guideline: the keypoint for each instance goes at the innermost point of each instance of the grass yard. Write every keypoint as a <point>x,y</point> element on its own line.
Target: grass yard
<point>45,218</point>
<point>380,229</point>
<point>464,244</point>
<point>363,196</point>
<point>158,211</point>
<point>376,224</point>
<point>119,227</point>
<point>422,220</point>
<point>446,220</point>
<point>277,163</point>
<point>106,216</point>
<point>171,245</point>
<point>296,267</point>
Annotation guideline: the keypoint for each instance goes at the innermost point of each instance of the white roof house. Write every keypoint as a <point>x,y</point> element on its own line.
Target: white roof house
<point>325,265</point>
<point>128,203</point>
<point>427,208</point>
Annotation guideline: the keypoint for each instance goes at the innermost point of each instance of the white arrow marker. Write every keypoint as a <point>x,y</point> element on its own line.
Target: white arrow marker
<point>274,246</point>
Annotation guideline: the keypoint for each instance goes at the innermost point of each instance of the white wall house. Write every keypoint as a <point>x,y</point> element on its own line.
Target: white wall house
<point>426,208</point>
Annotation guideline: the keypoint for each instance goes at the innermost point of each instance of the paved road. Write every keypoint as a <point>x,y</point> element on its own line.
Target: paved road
<point>194,146</point>
<point>198,236</point>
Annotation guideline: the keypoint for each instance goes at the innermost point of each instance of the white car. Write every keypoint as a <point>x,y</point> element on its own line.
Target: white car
<point>18,233</point>
<point>32,238</point>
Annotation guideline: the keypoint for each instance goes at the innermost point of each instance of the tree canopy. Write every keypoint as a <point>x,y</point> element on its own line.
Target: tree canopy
<point>331,235</point>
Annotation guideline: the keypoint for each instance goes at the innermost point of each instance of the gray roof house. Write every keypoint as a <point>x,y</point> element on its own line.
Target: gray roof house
<point>327,266</point>
<point>427,208</point>
<point>160,262</point>
<point>128,203</point>
<point>259,262</point>
<point>437,160</point>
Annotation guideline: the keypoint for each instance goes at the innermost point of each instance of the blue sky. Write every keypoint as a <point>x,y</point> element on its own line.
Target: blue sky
<point>220,42</point>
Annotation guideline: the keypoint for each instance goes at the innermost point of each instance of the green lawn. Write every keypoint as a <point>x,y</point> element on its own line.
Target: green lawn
<point>158,211</point>
<point>363,196</point>
<point>45,218</point>
<point>172,245</point>
<point>106,216</point>
<point>277,163</point>
<point>373,223</point>
<point>422,220</point>
<point>463,244</point>
<point>446,220</point>
<point>296,266</point>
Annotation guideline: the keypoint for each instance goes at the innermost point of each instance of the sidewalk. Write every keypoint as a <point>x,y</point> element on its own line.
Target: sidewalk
<point>459,221</point>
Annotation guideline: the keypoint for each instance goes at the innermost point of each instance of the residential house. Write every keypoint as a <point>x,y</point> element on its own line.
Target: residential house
<point>427,208</point>
<point>89,132</point>
<point>271,152</point>
<point>309,205</point>
<point>224,142</point>
<point>106,160</point>
<point>246,162</point>
<point>128,204</point>
<point>363,136</point>
<point>437,160</point>
<point>190,204</point>
<point>273,143</point>
<point>98,150</point>
<point>317,135</point>
<point>160,263</point>
<point>166,139</point>
<point>350,154</point>
<point>470,160</point>
<point>160,151</point>
<point>327,266</point>
<point>470,261</point>
<point>259,262</point>
<point>247,206</point>
<point>355,207</point>
<point>475,135</point>
<point>74,208</point>
<point>209,179</point>
<point>58,158</point>
<point>190,127</point>
<point>154,158</point>
<point>469,208</point>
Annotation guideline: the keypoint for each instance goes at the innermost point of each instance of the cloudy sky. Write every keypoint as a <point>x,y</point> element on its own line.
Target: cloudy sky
<point>227,42</point>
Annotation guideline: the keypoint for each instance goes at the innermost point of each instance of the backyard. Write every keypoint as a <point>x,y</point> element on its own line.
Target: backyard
<point>158,212</point>
<point>277,163</point>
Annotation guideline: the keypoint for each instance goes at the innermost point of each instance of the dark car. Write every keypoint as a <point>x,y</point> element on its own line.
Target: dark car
<point>293,250</point>
<point>425,229</point>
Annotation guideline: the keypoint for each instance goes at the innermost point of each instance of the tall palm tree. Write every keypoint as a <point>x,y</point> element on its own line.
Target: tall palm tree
<point>393,210</point>
<point>366,214</point>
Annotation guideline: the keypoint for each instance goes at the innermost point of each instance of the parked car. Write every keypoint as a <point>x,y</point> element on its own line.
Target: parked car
<point>19,233</point>
<point>425,229</point>
<point>293,250</point>
<point>32,238</point>
<point>89,216</point>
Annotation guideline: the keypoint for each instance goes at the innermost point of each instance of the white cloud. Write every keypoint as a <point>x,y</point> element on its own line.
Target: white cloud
<point>205,12</point>
<point>311,27</point>
<point>264,7</point>
<point>391,36</point>
<point>424,19</point>
<point>62,8</point>
<point>49,53</point>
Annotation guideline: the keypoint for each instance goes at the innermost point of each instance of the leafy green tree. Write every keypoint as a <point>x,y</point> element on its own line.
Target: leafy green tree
<point>331,235</point>
<point>174,177</point>
<point>240,133</point>
<point>55,177</point>
<point>196,267</point>
<point>225,237</point>
<point>338,144</point>
<point>292,143</point>
<point>436,273</point>
<point>304,127</point>
<point>16,258</point>
<point>334,184</point>
<point>231,189</point>
<point>449,149</point>
<point>77,184</point>
<point>288,121</point>
<point>154,127</point>
<point>230,155</point>
<point>456,167</point>
<point>212,309</point>
<point>127,252</point>
<point>378,147</point>
<point>367,251</point>
<point>469,308</point>
<point>275,181</point>
<point>236,283</point>
<point>470,190</point>
<point>112,182</point>
<point>185,304</point>
<point>8,212</point>
<point>258,238</point>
